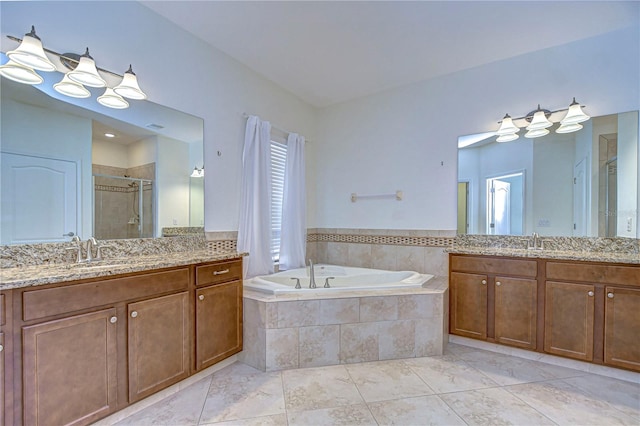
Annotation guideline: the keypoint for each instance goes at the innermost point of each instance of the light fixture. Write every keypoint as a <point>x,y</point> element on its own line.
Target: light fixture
<point>539,122</point>
<point>128,87</point>
<point>575,114</point>
<point>110,135</point>
<point>68,87</point>
<point>197,173</point>
<point>112,100</point>
<point>16,72</point>
<point>31,54</point>
<point>568,128</point>
<point>86,72</point>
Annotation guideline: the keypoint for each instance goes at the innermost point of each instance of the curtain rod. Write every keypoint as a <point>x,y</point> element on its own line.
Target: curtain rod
<point>245,115</point>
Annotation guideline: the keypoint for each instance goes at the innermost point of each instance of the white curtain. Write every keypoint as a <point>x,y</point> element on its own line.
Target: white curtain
<point>254,231</point>
<point>293,239</point>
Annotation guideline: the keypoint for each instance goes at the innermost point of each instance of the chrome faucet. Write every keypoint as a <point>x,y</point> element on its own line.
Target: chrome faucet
<point>535,243</point>
<point>312,275</point>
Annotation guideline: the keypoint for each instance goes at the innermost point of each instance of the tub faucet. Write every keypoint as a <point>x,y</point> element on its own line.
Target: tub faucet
<point>312,275</point>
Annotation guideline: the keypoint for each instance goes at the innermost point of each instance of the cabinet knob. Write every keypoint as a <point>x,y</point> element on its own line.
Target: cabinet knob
<point>610,295</point>
<point>113,320</point>
<point>590,293</point>
<point>1,348</point>
<point>134,314</point>
<point>483,281</point>
<point>498,283</point>
<point>201,297</point>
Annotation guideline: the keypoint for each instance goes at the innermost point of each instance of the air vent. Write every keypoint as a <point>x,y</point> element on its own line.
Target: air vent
<point>155,126</point>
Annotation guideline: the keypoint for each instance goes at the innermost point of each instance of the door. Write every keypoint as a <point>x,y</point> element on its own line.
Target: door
<point>69,369</point>
<point>580,186</point>
<point>218,322</point>
<point>621,324</point>
<point>39,199</point>
<point>499,207</point>
<point>568,322</point>
<point>463,207</point>
<point>158,344</point>
<point>468,305</point>
<point>515,311</point>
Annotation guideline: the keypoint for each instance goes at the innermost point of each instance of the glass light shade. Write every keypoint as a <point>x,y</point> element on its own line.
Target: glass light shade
<point>536,133</point>
<point>507,127</point>
<point>69,87</point>
<point>112,100</point>
<point>31,54</point>
<point>539,121</point>
<point>568,128</point>
<point>16,72</point>
<point>575,114</point>
<point>86,72</point>
<point>507,138</point>
<point>129,88</point>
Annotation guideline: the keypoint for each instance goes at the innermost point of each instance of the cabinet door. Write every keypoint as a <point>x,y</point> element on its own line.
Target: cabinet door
<point>516,302</point>
<point>2,408</point>
<point>622,322</point>
<point>568,323</point>
<point>69,369</point>
<point>468,305</point>
<point>218,322</point>
<point>158,343</point>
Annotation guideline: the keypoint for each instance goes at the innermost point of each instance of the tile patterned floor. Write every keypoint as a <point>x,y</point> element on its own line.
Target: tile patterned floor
<point>466,386</point>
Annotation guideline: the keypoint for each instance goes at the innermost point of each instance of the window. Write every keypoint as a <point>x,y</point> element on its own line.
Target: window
<point>278,160</point>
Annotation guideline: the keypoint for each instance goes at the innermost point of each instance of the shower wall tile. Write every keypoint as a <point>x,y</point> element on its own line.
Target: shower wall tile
<point>410,258</point>
<point>338,254</point>
<point>359,255</point>
<point>384,257</point>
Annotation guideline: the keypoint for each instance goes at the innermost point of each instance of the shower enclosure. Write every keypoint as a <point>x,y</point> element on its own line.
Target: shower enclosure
<point>123,207</point>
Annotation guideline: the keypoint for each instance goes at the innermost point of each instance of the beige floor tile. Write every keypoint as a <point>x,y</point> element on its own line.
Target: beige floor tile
<point>182,408</point>
<point>347,415</point>
<point>315,388</point>
<point>493,406</point>
<point>243,397</point>
<point>624,396</point>
<point>422,410</point>
<point>275,420</point>
<point>380,381</point>
<point>449,374</point>
<point>565,404</point>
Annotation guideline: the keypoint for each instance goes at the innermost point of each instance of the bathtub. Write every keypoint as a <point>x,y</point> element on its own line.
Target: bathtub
<point>344,279</point>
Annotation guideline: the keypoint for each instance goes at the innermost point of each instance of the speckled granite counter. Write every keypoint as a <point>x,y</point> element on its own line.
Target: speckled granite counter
<point>587,256</point>
<point>33,275</point>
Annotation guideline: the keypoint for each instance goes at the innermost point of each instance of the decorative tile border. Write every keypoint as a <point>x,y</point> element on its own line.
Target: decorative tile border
<point>222,245</point>
<point>397,240</point>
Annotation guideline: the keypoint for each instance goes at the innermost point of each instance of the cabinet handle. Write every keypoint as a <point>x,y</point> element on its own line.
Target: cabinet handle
<point>201,297</point>
<point>483,281</point>
<point>590,293</point>
<point>224,271</point>
<point>113,320</point>
<point>1,348</point>
<point>498,283</point>
<point>134,314</point>
<point>610,295</point>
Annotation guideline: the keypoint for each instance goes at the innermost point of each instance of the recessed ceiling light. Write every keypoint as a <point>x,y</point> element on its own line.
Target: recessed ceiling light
<point>110,135</point>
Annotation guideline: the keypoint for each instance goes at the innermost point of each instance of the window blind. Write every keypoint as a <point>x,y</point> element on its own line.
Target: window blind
<point>278,160</point>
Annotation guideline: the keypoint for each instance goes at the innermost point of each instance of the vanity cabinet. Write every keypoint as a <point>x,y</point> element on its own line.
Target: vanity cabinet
<point>218,307</point>
<point>621,327</point>
<point>69,369</point>
<point>494,299</point>
<point>158,343</point>
<point>6,361</point>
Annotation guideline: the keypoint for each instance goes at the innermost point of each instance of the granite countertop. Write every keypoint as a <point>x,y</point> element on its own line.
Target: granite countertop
<point>587,256</point>
<point>33,275</point>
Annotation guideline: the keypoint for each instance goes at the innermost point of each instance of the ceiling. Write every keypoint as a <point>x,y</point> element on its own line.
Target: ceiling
<point>327,52</point>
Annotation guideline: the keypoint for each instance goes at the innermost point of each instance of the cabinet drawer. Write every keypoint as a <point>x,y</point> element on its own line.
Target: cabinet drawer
<point>492,265</point>
<point>603,274</point>
<point>60,300</point>
<point>219,272</point>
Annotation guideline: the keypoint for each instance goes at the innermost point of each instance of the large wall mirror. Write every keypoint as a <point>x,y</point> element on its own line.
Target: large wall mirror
<point>575,184</point>
<point>63,175</point>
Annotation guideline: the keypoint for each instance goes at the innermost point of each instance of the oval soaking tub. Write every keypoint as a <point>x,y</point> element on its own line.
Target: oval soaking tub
<point>344,278</point>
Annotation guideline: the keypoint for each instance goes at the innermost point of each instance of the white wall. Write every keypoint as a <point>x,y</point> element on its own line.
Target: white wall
<point>177,70</point>
<point>107,153</point>
<point>406,138</point>
<point>627,174</point>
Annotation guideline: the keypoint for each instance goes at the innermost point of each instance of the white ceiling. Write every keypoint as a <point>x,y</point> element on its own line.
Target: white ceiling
<point>327,52</point>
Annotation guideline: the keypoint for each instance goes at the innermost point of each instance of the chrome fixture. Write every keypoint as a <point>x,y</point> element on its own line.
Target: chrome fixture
<point>298,286</point>
<point>90,244</point>
<point>540,120</point>
<point>30,56</point>
<point>312,275</point>
<point>535,243</point>
<point>326,282</point>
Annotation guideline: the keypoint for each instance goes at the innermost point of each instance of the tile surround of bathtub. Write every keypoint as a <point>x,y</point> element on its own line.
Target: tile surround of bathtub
<point>286,334</point>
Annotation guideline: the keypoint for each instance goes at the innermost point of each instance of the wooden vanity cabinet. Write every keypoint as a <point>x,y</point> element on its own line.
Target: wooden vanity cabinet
<point>494,299</point>
<point>621,327</point>
<point>218,312</point>
<point>6,361</point>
